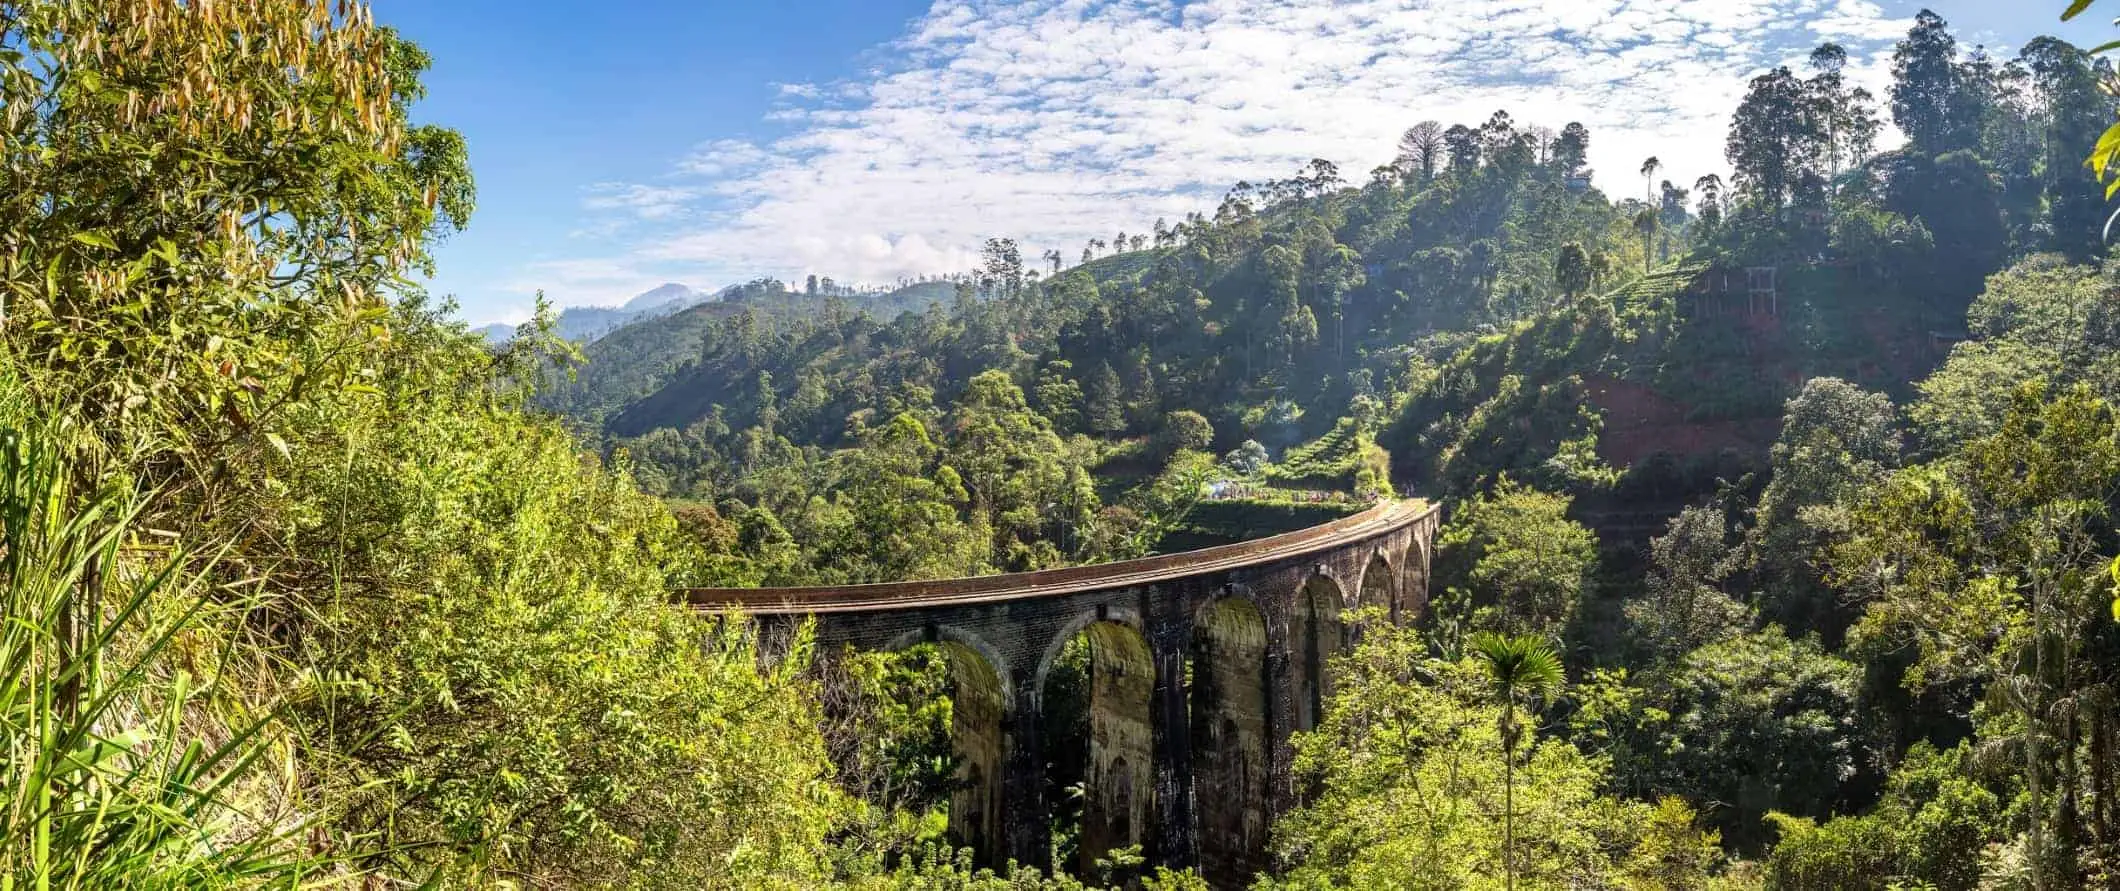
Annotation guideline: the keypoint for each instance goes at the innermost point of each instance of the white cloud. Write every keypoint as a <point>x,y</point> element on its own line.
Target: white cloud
<point>645,202</point>
<point>590,281</point>
<point>1055,121</point>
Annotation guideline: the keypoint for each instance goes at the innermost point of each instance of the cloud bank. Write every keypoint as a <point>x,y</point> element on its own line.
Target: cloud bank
<point>1056,121</point>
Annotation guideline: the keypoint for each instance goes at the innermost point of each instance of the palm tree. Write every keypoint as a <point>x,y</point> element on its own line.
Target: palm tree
<point>1521,667</point>
<point>1649,169</point>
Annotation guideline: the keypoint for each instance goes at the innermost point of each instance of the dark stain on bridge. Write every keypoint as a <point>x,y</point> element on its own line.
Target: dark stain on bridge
<point>1192,766</point>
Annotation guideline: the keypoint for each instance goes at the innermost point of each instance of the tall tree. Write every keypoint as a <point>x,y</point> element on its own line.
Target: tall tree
<point>1421,150</point>
<point>1462,143</point>
<point>1522,669</point>
<point>1710,188</point>
<point>1649,169</point>
<point>1930,100</point>
<point>1646,225</point>
<point>1571,150</point>
<point>1572,270</point>
<point>2077,112</point>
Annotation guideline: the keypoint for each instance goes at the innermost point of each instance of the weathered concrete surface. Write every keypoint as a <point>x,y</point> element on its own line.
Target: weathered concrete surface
<point>1179,725</point>
<point>1230,738</point>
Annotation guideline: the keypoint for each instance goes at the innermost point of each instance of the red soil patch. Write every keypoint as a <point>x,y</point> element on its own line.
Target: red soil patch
<point>1639,422</point>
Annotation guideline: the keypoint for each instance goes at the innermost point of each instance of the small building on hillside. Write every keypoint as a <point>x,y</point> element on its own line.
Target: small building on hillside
<point>1722,291</point>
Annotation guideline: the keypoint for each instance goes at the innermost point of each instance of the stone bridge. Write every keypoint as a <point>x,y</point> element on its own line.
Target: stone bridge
<point>1201,665</point>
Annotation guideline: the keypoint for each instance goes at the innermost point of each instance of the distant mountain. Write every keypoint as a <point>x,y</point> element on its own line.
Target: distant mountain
<point>587,323</point>
<point>669,297</point>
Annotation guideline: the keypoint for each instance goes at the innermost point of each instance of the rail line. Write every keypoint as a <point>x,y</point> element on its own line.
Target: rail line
<point>987,589</point>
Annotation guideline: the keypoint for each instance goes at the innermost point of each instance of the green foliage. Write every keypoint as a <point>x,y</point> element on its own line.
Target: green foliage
<point>1836,440</point>
<point>518,695</point>
<point>1410,793</point>
<point>2000,577</point>
<point>1523,563</point>
<point>450,625</point>
<point>1761,722</point>
<point>213,241</point>
<point>2042,319</point>
<point>130,762</point>
<point>1936,828</point>
<point>1685,606</point>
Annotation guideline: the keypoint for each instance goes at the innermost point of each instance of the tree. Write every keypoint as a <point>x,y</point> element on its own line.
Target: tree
<point>1408,793</point>
<point>1849,127</point>
<point>2077,112</point>
<point>1646,225</point>
<point>1013,465</point>
<point>1930,99</point>
<point>1571,151</point>
<point>1685,607</point>
<point>1710,188</point>
<point>1519,558</point>
<point>1186,429</point>
<point>1989,562</point>
<point>1572,270</point>
<point>1521,668</point>
<point>810,286</point>
<point>1001,267</point>
<point>1421,150</point>
<point>1649,169</point>
<point>1836,439</point>
<point>900,512</point>
<point>1462,143</point>
<point>1774,139</point>
<point>1104,400</point>
<point>1958,198</point>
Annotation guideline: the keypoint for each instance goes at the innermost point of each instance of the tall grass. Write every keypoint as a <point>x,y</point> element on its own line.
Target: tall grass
<point>110,778</point>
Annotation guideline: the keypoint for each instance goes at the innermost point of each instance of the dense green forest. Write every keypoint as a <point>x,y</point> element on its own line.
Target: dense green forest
<point>1780,548</point>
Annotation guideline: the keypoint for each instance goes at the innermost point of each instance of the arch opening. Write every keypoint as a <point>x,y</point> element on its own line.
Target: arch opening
<point>1379,589</point>
<point>1100,751</point>
<point>979,701</point>
<point>1413,583</point>
<point>1315,635</point>
<point>1228,710</point>
<point>977,719</point>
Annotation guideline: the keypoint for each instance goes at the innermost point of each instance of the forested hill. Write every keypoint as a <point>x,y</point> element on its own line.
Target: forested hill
<point>628,361</point>
<point>1484,295</point>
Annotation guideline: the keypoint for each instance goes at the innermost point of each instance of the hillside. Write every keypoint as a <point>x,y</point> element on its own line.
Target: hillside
<point>634,360</point>
<point>1648,396</point>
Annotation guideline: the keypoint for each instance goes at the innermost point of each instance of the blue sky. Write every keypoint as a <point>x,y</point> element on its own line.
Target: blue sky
<point>623,144</point>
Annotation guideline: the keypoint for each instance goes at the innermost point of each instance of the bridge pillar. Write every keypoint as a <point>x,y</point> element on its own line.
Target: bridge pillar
<point>1170,721</point>
<point>1028,838</point>
<point>1280,709</point>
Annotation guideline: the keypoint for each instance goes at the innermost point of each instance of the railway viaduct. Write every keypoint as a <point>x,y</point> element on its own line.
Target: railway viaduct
<point>1202,666</point>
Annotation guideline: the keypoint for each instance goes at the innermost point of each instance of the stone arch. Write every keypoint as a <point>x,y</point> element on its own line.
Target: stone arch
<point>1379,587</point>
<point>1315,636</point>
<point>981,699</point>
<point>1413,581</point>
<point>1230,736</point>
<point>1118,800</point>
<point>1123,615</point>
